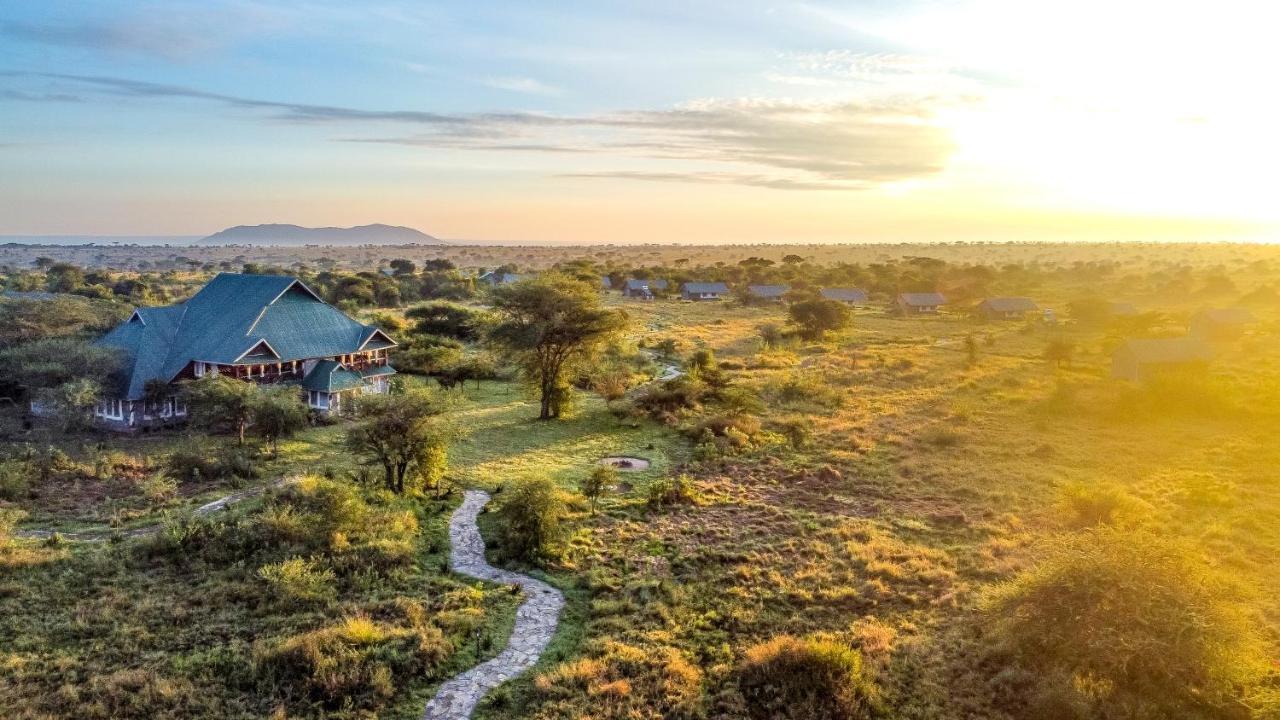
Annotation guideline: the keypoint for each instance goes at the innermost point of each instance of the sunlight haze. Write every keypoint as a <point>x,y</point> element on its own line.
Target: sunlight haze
<point>655,122</point>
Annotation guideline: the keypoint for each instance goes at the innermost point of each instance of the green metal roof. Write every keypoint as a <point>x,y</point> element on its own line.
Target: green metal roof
<point>237,318</point>
<point>330,376</point>
<point>377,371</point>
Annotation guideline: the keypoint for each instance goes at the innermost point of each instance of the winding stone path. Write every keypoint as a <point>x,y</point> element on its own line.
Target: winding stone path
<point>536,618</point>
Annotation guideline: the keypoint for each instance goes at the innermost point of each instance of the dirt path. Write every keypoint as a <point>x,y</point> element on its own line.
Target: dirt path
<point>106,533</point>
<point>536,618</point>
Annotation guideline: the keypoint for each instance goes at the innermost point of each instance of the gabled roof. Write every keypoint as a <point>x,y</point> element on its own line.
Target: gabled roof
<point>706,287</point>
<point>330,376</point>
<point>1226,316</point>
<point>652,284</point>
<point>922,299</point>
<point>233,319</point>
<point>844,294</point>
<point>768,291</point>
<point>1167,350</point>
<point>1009,304</point>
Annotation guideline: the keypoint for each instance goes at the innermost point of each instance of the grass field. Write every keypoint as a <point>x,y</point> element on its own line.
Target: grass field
<point>940,457</point>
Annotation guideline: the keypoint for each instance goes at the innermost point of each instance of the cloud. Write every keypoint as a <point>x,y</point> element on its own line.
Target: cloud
<point>159,31</point>
<point>527,85</point>
<point>25,96</point>
<point>801,145</point>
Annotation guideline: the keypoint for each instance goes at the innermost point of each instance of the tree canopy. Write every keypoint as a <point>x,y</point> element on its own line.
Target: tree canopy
<point>552,325</point>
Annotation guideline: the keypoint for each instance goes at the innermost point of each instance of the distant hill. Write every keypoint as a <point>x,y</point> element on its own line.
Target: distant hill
<point>296,235</point>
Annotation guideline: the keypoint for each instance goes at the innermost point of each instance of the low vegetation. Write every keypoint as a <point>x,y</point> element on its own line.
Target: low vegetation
<point>847,513</point>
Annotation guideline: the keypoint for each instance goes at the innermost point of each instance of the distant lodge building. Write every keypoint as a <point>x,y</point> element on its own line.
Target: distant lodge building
<point>1143,358</point>
<point>1221,323</point>
<point>768,293</point>
<point>258,328</point>
<point>920,303</point>
<point>851,296</point>
<point>704,291</point>
<point>1006,308</point>
<point>643,289</point>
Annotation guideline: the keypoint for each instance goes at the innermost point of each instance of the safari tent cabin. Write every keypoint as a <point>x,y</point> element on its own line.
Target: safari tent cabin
<point>493,279</point>
<point>643,289</point>
<point>266,329</point>
<point>920,303</point>
<point>768,293</point>
<point>1143,358</point>
<point>1221,323</point>
<point>699,291</point>
<point>1006,308</point>
<point>849,296</point>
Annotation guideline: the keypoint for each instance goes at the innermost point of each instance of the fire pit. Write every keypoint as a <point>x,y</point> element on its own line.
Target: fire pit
<point>626,464</point>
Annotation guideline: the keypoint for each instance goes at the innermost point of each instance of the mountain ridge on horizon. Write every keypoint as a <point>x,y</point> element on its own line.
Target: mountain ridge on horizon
<point>287,234</point>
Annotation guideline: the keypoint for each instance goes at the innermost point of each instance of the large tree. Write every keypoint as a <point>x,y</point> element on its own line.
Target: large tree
<point>278,413</point>
<point>220,400</point>
<point>403,434</point>
<point>552,325</point>
<point>817,316</point>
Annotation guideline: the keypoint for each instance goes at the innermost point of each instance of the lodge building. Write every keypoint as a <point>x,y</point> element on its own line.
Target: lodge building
<point>268,329</point>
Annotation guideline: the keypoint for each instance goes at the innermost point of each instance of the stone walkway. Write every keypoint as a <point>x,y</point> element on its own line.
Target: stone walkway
<point>536,618</point>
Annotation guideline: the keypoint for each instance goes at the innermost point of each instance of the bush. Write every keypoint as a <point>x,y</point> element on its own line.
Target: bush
<point>357,662</point>
<point>157,487</point>
<point>678,490</point>
<point>532,515</point>
<point>298,579</point>
<point>9,519</point>
<point>806,679</point>
<point>1125,624</point>
<point>1090,504</point>
<point>189,465</point>
<point>14,479</point>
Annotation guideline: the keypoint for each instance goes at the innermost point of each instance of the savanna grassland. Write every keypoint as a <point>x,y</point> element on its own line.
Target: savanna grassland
<point>927,517</point>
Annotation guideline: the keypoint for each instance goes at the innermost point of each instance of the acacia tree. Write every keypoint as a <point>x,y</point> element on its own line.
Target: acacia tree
<point>403,434</point>
<point>278,413</point>
<point>552,325</point>
<point>818,316</point>
<point>220,400</point>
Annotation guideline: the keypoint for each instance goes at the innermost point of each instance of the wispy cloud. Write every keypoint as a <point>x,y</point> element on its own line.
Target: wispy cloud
<point>527,85</point>
<point>801,145</point>
<point>158,31</point>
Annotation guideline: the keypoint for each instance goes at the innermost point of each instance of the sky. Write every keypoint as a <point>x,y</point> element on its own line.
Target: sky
<point>614,122</point>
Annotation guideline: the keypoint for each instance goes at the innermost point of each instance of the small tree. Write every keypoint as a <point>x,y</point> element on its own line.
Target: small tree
<point>400,433</point>
<point>552,325</point>
<point>278,413</point>
<point>770,335</point>
<point>594,485</point>
<point>971,349</point>
<point>532,515</point>
<point>818,316</point>
<point>1059,352</point>
<point>218,400</point>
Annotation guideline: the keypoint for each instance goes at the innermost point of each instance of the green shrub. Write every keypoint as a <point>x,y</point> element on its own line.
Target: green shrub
<point>299,579</point>
<point>15,480</point>
<point>357,663</point>
<point>1090,504</point>
<point>806,679</point>
<point>9,519</point>
<point>1125,624</point>
<point>157,486</point>
<point>678,490</point>
<point>191,464</point>
<point>532,515</point>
